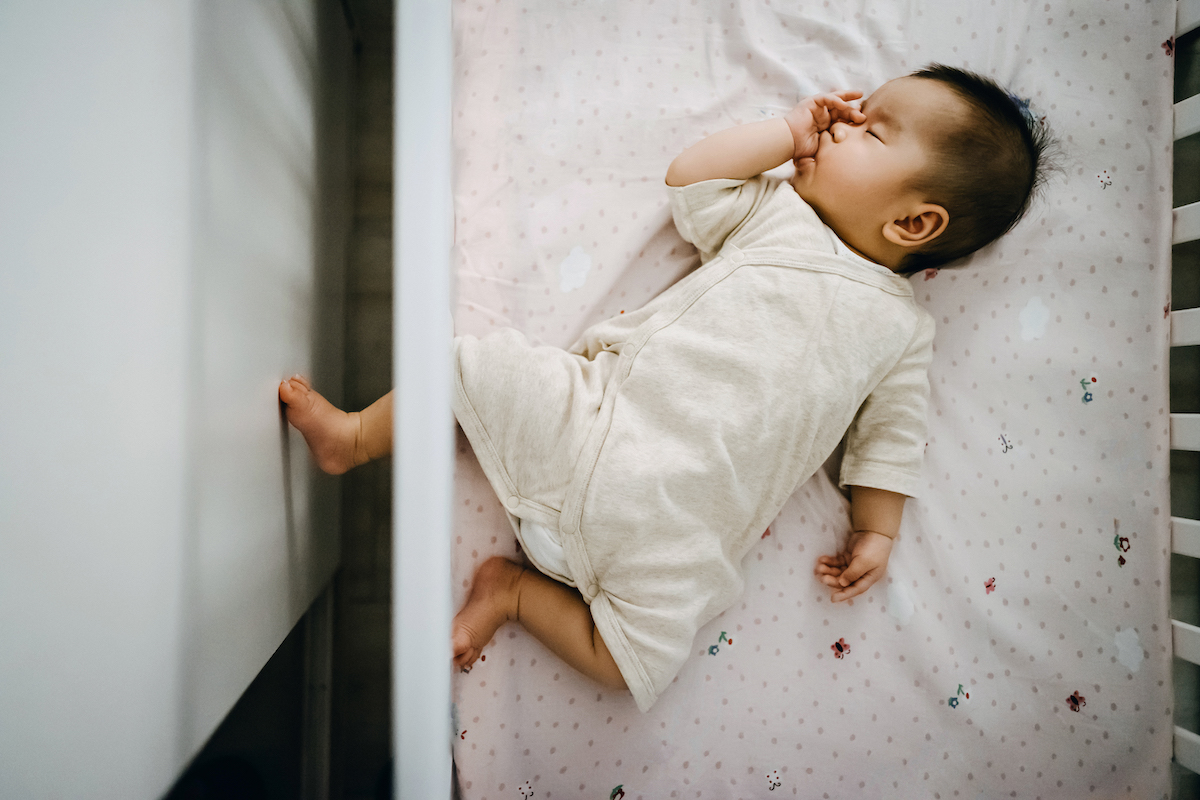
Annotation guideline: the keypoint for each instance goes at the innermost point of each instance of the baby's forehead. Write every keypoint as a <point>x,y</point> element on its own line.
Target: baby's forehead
<point>910,93</point>
<point>916,103</point>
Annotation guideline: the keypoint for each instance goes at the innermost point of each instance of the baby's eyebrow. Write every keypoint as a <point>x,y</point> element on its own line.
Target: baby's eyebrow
<point>883,117</point>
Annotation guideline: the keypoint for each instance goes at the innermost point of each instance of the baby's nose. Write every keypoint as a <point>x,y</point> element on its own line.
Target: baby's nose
<point>839,130</point>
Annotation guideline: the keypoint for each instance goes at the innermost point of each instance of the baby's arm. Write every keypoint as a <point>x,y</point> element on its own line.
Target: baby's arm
<point>876,510</point>
<point>875,515</point>
<point>745,151</point>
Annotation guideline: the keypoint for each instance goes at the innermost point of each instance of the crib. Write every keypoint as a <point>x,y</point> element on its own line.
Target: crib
<point>1037,633</point>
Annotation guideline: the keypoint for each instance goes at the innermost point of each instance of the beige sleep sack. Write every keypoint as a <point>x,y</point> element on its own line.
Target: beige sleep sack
<point>663,443</point>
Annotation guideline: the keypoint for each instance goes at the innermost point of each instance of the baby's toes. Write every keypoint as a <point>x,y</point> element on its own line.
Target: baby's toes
<point>464,661</point>
<point>293,392</point>
<point>465,651</point>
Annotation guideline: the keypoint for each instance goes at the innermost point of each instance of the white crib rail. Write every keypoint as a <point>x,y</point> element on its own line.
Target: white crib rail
<point>1187,748</point>
<point>1185,432</point>
<point>1185,327</point>
<point>1186,641</point>
<point>1185,428</point>
<point>1187,223</point>
<point>1187,16</point>
<point>1185,536</point>
<point>424,445</point>
<point>1187,117</point>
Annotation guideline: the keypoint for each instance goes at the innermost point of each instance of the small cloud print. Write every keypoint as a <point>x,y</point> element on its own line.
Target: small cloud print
<point>899,604</point>
<point>1033,319</point>
<point>1129,650</point>
<point>573,270</point>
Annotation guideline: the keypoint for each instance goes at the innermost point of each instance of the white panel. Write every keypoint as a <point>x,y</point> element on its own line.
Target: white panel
<point>1185,536</point>
<point>1187,223</point>
<point>1185,431</point>
<point>1187,117</point>
<point>1185,326</point>
<point>94,151</point>
<point>1187,16</point>
<point>1187,748</point>
<point>423,467</point>
<point>264,536</point>
<point>158,269</point>
<point>1186,641</point>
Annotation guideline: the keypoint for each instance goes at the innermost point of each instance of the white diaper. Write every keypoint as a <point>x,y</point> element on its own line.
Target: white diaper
<point>544,547</point>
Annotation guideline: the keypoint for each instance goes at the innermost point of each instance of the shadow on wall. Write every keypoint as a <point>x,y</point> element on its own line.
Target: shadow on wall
<point>223,778</point>
<point>235,778</point>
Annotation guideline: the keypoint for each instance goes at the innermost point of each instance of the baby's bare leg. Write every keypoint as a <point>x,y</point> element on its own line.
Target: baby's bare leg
<point>376,428</point>
<point>554,613</point>
<point>338,441</point>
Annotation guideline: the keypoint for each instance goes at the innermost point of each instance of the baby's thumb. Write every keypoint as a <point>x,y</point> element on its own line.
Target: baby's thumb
<point>857,568</point>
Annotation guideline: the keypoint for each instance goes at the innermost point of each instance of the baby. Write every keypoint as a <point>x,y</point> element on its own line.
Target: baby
<point>639,466</point>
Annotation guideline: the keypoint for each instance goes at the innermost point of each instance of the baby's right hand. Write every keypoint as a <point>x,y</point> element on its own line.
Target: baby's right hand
<point>857,567</point>
<point>818,113</point>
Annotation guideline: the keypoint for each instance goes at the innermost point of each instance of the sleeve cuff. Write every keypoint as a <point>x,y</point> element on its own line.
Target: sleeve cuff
<point>877,475</point>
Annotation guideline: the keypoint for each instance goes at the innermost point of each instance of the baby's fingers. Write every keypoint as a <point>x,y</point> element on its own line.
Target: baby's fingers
<point>853,590</point>
<point>830,565</point>
<point>830,580</point>
<point>829,575</point>
<point>857,587</point>
<point>857,569</point>
<point>836,106</point>
<point>848,593</point>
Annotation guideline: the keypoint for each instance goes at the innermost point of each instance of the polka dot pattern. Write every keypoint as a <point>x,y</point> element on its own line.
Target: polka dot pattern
<point>1019,645</point>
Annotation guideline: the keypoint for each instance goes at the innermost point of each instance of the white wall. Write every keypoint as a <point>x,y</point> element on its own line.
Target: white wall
<point>173,206</point>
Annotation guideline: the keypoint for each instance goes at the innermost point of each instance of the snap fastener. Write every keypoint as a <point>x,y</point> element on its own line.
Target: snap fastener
<point>738,257</point>
<point>592,591</point>
<point>569,527</point>
<point>513,502</point>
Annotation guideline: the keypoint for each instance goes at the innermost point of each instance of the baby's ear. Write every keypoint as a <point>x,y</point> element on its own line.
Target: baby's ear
<point>923,225</point>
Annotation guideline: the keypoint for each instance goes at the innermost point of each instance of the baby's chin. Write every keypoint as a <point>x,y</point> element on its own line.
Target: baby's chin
<point>809,194</point>
<point>804,167</point>
<point>802,183</point>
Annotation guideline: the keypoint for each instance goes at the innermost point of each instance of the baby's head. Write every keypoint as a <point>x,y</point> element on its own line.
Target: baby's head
<point>945,163</point>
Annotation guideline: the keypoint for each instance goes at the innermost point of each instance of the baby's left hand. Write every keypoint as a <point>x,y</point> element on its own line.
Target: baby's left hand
<point>818,113</point>
<point>855,569</point>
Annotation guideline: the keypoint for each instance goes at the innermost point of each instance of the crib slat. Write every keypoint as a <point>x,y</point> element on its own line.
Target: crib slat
<point>1187,117</point>
<point>423,454</point>
<point>1185,327</point>
<point>1187,223</point>
<point>1187,748</point>
<point>1186,641</point>
<point>1185,431</point>
<point>1185,536</point>
<point>1187,16</point>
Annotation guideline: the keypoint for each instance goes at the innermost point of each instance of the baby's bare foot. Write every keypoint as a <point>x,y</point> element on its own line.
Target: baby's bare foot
<point>491,603</point>
<point>333,436</point>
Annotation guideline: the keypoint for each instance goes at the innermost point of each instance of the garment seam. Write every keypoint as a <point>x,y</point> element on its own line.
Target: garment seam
<point>576,503</point>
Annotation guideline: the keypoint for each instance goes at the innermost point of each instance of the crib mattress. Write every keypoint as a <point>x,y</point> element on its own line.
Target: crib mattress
<point>1019,645</point>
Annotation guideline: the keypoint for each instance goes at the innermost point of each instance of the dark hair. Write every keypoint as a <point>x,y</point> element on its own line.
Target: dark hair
<point>985,170</point>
